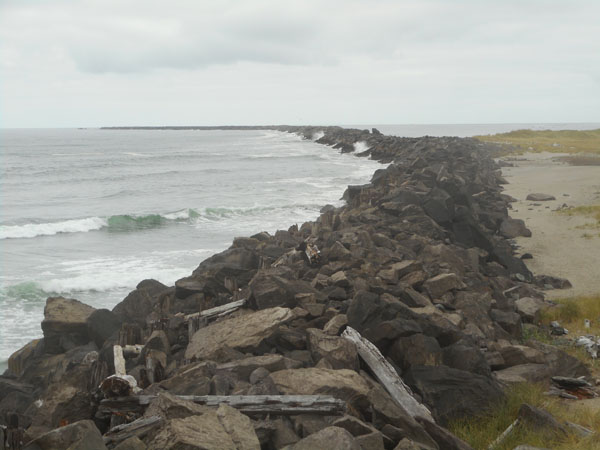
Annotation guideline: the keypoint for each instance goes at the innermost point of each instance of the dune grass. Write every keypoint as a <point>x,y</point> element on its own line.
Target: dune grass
<point>592,212</point>
<point>482,431</point>
<point>563,141</point>
<point>571,314</point>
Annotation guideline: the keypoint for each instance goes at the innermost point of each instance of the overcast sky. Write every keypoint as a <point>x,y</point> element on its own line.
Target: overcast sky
<point>199,62</point>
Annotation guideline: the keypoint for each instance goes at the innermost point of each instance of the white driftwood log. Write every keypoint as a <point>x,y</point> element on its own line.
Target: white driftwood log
<point>248,404</point>
<point>119,361</point>
<point>217,311</point>
<point>387,376</point>
<point>504,434</point>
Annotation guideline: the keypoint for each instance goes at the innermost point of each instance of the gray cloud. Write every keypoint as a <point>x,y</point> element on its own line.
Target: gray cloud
<point>339,60</point>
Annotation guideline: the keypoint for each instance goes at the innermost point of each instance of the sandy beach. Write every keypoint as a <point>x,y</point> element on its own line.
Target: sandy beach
<point>557,246</point>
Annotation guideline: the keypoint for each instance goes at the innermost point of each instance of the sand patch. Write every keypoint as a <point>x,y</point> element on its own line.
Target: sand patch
<point>558,246</point>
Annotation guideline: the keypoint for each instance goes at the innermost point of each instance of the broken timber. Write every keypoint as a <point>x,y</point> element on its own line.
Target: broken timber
<point>198,320</point>
<point>138,428</point>
<point>217,311</point>
<point>387,376</point>
<point>248,404</point>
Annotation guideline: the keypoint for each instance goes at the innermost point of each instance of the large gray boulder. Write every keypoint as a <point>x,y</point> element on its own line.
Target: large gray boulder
<point>79,435</point>
<point>330,438</point>
<point>226,428</point>
<point>244,332</point>
<point>65,324</point>
<point>453,393</point>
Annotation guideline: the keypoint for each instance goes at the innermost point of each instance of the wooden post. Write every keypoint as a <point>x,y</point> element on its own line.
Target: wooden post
<point>119,361</point>
<point>387,376</point>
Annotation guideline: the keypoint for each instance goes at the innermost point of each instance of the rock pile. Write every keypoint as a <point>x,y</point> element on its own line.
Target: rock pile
<point>418,262</point>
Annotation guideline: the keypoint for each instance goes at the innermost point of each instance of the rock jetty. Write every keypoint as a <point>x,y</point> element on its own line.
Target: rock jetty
<point>408,311</point>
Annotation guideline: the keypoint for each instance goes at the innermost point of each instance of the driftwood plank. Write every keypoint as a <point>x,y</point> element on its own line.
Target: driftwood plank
<point>119,361</point>
<point>138,428</point>
<point>217,311</point>
<point>248,404</point>
<point>387,376</point>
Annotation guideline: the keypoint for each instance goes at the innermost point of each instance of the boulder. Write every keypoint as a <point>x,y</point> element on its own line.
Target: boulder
<point>242,368</point>
<point>101,325</point>
<point>78,435</point>
<point>225,428</point>
<point>336,324</point>
<point>466,356</point>
<point>509,321</point>
<point>269,290</point>
<point>452,393</point>
<point>337,351</point>
<point>65,324</point>
<point>330,438</point>
<point>529,308</point>
<point>442,283</point>
<point>193,379</point>
<point>337,252</point>
<point>512,228</point>
<point>244,332</point>
<point>168,406</point>
<point>538,197</point>
<point>541,420</point>
<point>344,384</point>
<point>135,307</point>
<point>19,360</point>
<point>416,350</point>
<point>523,373</point>
<point>133,443</point>
<point>520,354</point>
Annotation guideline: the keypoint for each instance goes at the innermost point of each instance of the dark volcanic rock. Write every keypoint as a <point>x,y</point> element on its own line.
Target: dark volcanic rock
<point>453,393</point>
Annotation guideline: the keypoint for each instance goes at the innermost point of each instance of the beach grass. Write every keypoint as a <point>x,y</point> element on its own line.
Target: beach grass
<point>480,432</point>
<point>590,211</point>
<point>562,141</point>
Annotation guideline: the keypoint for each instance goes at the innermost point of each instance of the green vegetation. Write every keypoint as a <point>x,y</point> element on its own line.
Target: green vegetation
<point>563,141</point>
<point>571,313</point>
<point>481,432</point>
<point>593,212</point>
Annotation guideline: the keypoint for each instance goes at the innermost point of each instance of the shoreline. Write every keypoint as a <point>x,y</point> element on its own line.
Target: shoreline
<point>413,261</point>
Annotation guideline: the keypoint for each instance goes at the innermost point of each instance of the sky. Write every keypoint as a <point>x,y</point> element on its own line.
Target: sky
<point>88,63</point>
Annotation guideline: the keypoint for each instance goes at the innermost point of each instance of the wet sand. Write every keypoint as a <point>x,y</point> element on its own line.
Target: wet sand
<point>558,247</point>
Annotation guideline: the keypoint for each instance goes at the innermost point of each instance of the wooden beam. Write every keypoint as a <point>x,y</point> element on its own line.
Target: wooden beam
<point>248,404</point>
<point>217,311</point>
<point>387,376</point>
<point>138,428</point>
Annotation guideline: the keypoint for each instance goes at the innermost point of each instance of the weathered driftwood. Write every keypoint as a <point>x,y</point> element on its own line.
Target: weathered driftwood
<point>200,319</point>
<point>248,404</point>
<point>131,351</point>
<point>386,375</point>
<point>119,361</point>
<point>504,435</point>
<point>139,428</point>
<point>217,311</point>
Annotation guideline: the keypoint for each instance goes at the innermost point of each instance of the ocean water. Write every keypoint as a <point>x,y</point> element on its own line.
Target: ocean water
<point>89,213</point>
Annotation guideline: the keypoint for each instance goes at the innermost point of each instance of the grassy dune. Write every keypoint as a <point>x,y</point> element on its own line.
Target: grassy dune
<point>592,212</point>
<point>563,141</point>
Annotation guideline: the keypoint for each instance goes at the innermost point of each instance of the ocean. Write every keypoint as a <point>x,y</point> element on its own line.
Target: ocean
<point>89,213</point>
